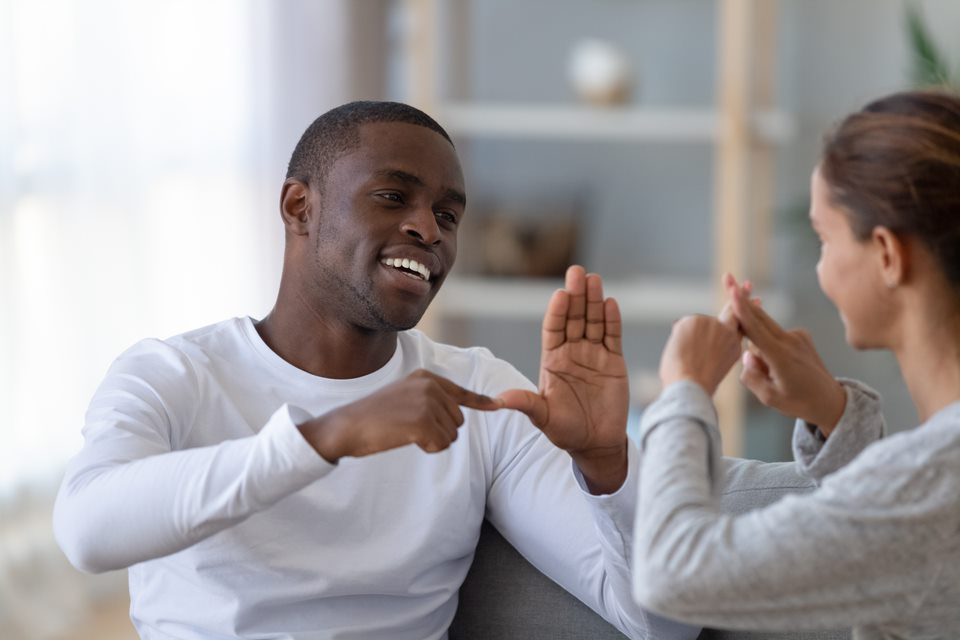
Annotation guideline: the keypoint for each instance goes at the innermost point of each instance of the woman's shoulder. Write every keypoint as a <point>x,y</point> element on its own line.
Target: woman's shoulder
<point>919,467</point>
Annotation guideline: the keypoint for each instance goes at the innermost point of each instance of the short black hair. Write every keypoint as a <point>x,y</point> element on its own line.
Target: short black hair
<point>338,131</point>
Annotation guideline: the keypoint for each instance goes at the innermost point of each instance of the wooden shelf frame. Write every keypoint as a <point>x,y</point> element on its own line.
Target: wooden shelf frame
<point>641,300</point>
<point>742,128</point>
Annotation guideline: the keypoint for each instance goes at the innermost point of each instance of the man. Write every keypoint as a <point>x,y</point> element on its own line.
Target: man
<point>256,476</point>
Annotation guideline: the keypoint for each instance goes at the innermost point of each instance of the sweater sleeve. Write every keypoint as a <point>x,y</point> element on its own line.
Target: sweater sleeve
<point>860,425</point>
<point>862,549</point>
<point>538,500</point>
<point>129,496</point>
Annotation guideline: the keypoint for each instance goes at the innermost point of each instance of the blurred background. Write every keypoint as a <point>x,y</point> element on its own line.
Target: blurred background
<point>659,142</point>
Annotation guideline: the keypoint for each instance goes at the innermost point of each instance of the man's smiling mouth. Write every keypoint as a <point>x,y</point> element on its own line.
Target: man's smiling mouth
<point>408,267</point>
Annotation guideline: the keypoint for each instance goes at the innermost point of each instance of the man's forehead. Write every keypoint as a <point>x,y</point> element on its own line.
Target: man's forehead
<point>371,132</point>
<point>399,147</point>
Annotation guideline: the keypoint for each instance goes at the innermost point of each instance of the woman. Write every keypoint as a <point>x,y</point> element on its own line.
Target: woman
<point>877,545</point>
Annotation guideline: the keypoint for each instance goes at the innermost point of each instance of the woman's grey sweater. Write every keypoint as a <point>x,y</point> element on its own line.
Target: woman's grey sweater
<point>875,547</point>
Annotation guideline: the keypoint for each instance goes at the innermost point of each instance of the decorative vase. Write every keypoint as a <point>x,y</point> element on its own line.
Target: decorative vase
<point>599,73</point>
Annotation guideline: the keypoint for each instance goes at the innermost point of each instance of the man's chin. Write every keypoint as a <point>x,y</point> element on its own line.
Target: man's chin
<point>396,314</point>
<point>411,317</point>
<point>410,322</point>
<point>404,321</point>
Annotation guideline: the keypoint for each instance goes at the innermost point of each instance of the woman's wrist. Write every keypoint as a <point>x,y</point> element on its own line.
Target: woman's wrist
<point>833,408</point>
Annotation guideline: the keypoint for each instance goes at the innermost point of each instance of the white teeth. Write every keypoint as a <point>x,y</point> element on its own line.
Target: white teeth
<point>407,263</point>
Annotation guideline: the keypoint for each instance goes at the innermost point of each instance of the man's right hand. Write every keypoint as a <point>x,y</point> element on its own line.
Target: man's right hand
<point>421,409</point>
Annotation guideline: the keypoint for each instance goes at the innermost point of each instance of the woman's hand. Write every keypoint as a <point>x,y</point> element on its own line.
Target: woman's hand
<point>782,368</point>
<point>701,349</point>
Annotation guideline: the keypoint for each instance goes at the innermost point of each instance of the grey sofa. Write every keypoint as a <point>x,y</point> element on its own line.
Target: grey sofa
<point>505,597</point>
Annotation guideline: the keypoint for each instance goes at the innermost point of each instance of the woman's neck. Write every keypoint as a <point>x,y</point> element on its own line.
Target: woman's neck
<point>929,358</point>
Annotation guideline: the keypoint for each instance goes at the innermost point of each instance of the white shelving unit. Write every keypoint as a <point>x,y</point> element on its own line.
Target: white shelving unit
<point>572,122</point>
<point>741,129</point>
<point>640,299</point>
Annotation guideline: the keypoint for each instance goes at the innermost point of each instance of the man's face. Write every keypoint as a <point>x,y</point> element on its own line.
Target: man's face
<point>384,229</point>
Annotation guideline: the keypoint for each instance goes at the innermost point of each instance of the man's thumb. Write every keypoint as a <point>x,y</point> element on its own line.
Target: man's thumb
<point>527,402</point>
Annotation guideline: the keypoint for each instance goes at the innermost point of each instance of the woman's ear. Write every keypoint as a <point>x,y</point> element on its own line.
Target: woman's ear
<point>295,206</point>
<point>893,256</point>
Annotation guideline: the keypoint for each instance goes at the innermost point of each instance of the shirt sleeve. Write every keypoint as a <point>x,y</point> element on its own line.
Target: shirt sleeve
<point>859,550</point>
<point>128,496</point>
<point>538,500</point>
<point>860,425</point>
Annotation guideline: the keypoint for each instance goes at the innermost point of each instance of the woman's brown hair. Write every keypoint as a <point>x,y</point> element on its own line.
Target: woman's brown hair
<point>896,164</point>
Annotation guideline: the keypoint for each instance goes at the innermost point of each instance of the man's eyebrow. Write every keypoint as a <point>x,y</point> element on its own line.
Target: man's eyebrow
<point>456,196</point>
<point>403,176</point>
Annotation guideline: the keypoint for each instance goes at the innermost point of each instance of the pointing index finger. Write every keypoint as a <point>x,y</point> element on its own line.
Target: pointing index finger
<point>467,398</point>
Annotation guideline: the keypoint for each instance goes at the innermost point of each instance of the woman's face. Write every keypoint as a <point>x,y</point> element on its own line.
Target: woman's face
<point>848,271</point>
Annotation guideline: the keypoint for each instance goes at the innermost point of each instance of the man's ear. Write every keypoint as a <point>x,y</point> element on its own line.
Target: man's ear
<point>295,206</point>
<point>893,255</point>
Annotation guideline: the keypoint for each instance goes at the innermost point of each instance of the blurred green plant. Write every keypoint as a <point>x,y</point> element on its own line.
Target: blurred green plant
<point>928,68</point>
<point>929,65</point>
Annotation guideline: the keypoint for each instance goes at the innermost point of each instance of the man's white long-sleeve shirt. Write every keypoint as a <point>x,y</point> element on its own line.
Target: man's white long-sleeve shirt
<point>195,476</point>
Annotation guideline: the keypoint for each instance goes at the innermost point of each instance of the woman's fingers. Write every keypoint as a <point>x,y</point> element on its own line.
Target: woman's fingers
<point>757,359</point>
<point>727,317</point>
<point>754,321</point>
<point>755,376</point>
<point>733,288</point>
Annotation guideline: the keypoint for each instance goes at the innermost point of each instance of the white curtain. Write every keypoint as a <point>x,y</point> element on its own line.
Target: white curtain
<point>129,205</point>
<point>142,146</point>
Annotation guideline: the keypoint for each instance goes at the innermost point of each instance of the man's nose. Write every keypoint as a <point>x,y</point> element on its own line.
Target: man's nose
<point>422,225</point>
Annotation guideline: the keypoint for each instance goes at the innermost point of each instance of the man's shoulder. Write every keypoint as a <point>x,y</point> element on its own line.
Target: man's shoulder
<point>193,345</point>
<point>422,343</point>
<point>230,330</point>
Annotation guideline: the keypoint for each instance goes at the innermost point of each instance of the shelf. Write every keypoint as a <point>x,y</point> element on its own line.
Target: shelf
<point>740,126</point>
<point>640,299</point>
<point>625,124</point>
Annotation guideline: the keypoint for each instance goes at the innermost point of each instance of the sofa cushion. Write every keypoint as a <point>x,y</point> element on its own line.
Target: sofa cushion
<point>505,597</point>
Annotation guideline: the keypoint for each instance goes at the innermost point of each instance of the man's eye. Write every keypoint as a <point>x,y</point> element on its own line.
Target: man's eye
<point>446,216</point>
<point>391,196</point>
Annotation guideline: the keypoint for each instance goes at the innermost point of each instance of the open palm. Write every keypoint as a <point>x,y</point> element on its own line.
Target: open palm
<point>583,398</point>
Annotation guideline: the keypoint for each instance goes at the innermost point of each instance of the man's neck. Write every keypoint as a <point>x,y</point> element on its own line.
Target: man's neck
<point>325,348</point>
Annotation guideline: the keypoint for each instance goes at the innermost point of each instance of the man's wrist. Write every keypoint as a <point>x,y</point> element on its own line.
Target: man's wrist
<point>320,435</point>
<point>604,470</point>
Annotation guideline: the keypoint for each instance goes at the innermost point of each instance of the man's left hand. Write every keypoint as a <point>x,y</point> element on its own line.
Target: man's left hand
<point>584,393</point>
